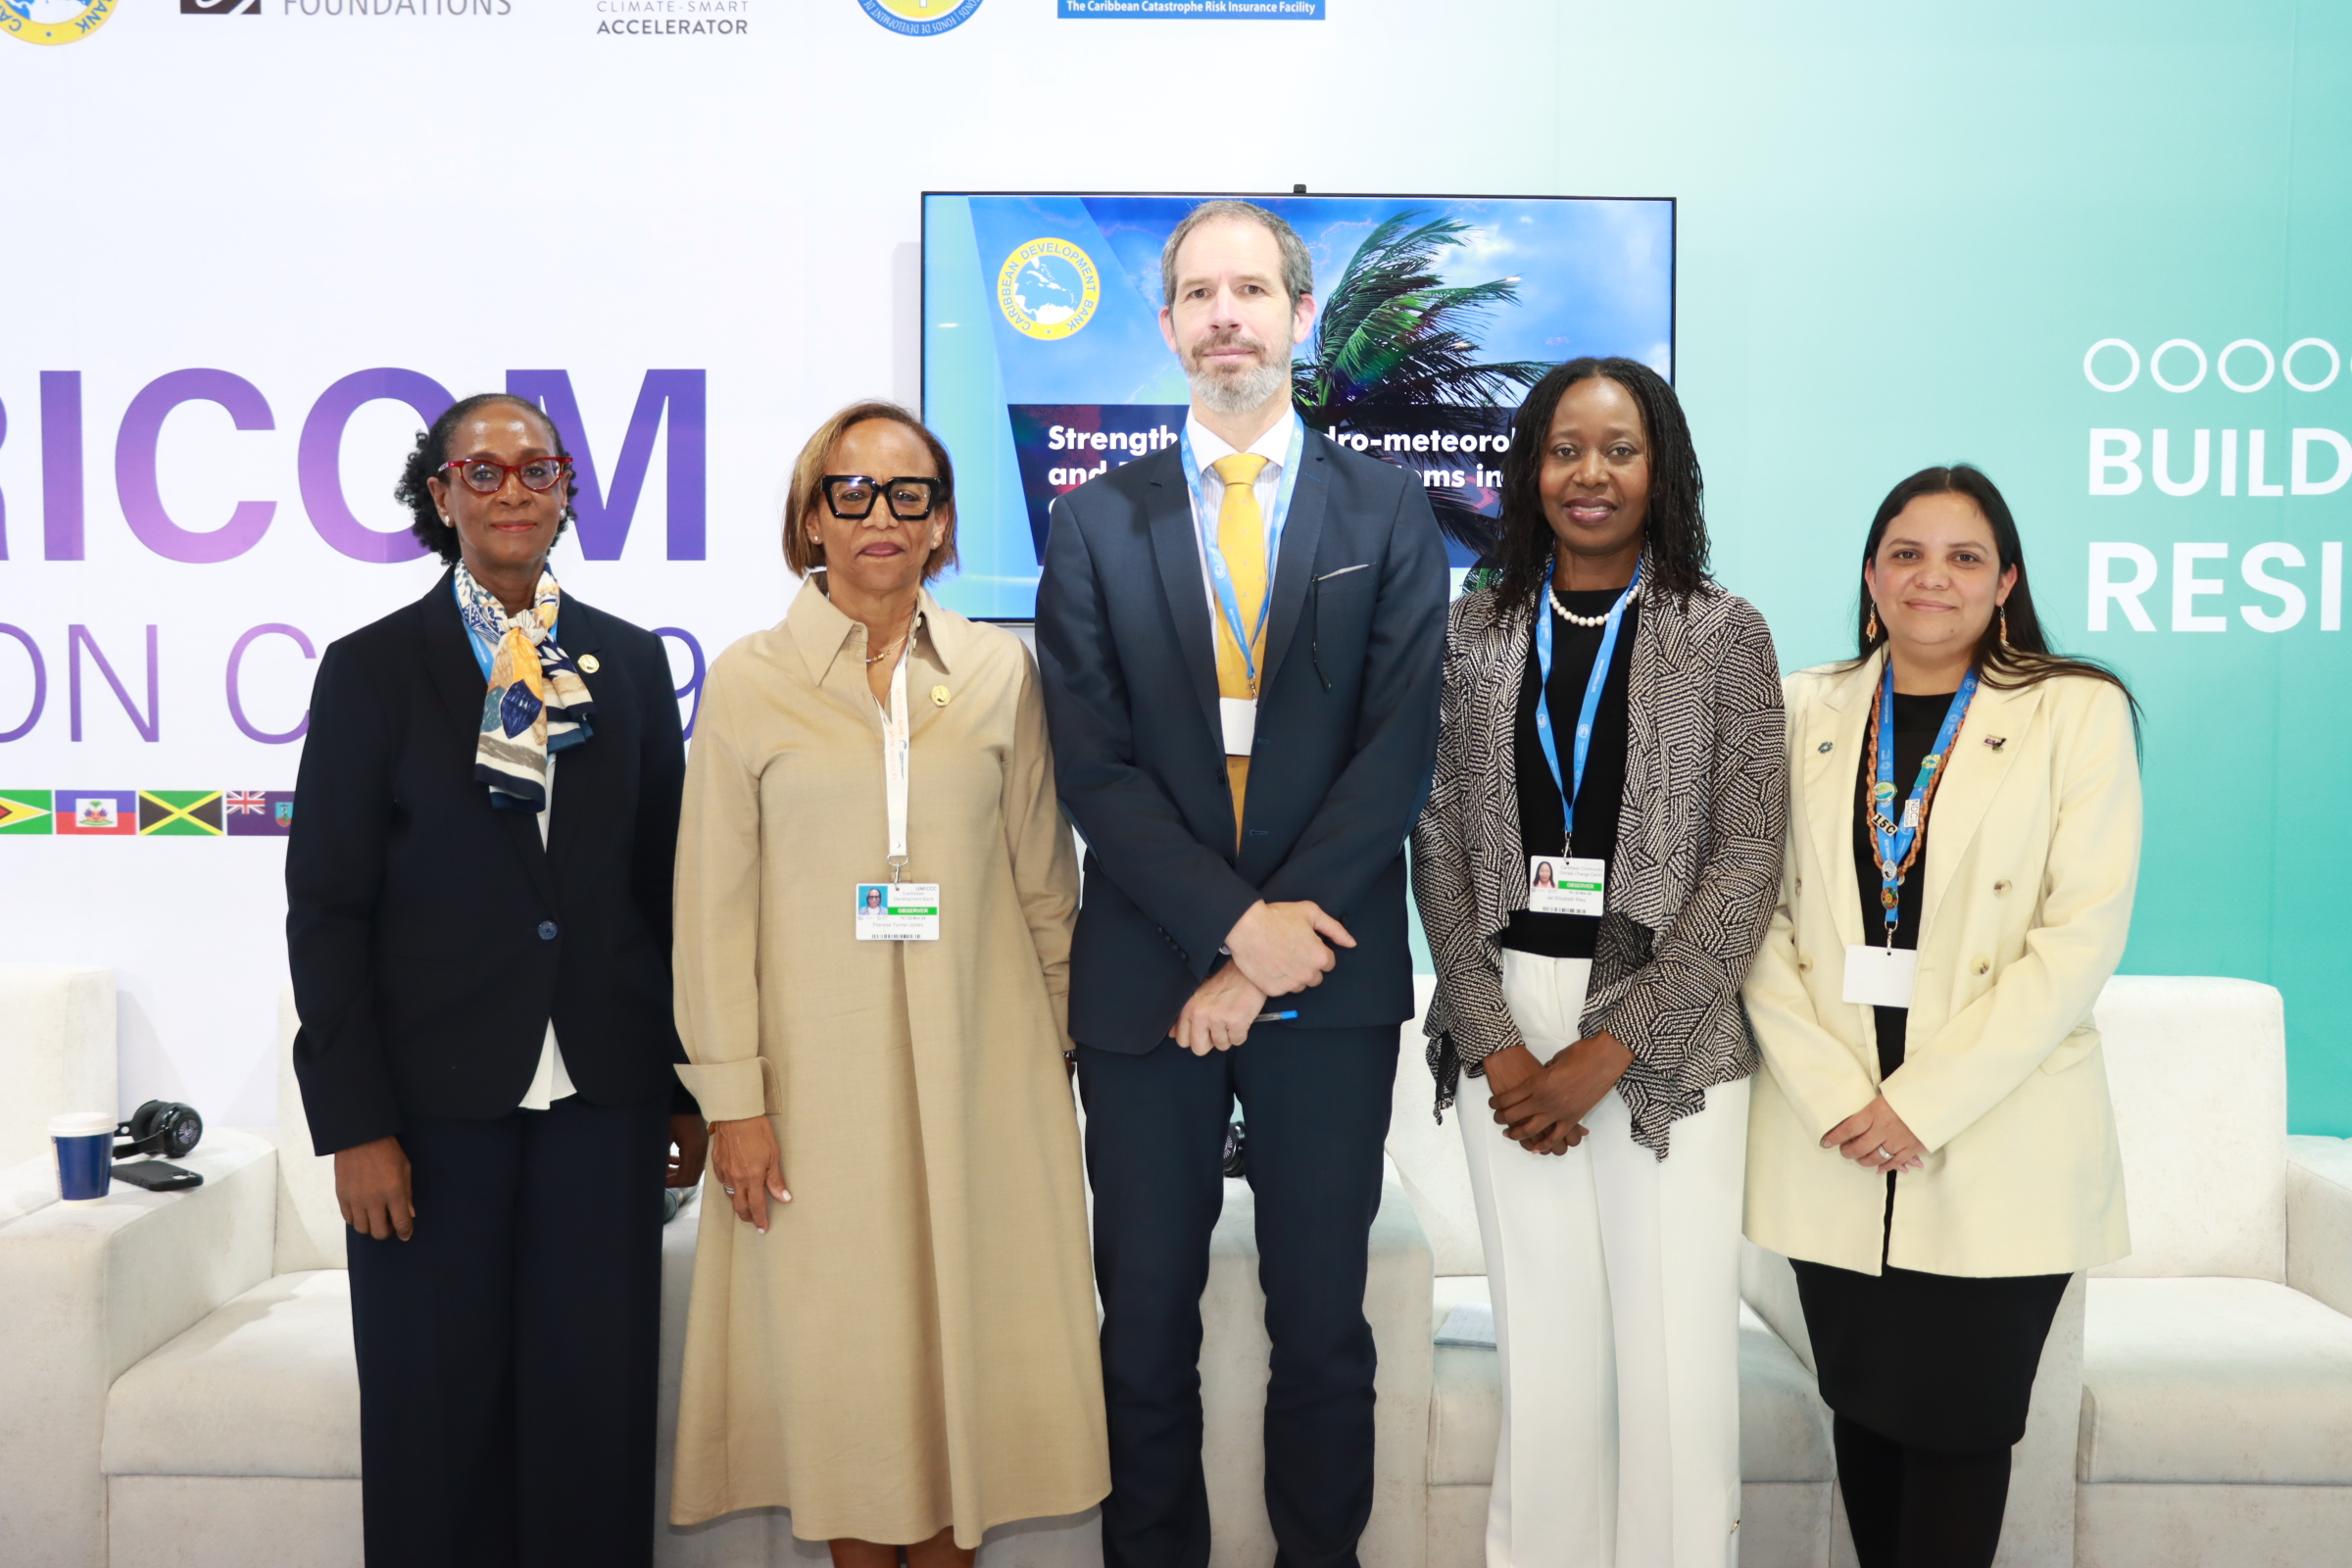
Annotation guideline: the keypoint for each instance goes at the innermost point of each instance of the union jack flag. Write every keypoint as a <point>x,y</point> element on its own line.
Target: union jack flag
<point>240,802</point>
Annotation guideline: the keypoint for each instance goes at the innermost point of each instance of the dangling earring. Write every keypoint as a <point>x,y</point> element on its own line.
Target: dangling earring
<point>2001,611</point>
<point>1870,634</point>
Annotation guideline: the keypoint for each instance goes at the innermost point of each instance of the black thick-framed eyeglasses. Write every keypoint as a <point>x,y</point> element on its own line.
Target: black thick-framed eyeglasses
<point>851,495</point>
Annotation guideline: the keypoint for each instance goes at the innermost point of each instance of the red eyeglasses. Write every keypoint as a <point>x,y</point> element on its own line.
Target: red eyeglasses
<point>487,478</point>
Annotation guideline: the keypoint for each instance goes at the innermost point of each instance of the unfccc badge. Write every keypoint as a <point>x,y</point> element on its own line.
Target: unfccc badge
<point>917,19</point>
<point>54,21</point>
<point>1049,289</point>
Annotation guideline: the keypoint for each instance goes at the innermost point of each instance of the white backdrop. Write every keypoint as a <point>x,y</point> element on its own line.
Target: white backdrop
<point>294,197</point>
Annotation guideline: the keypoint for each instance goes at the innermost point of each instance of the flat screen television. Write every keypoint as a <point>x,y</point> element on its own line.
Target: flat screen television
<point>1044,367</point>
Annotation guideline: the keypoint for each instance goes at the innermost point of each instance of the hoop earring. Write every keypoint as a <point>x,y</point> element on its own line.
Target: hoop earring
<point>1870,634</point>
<point>2001,613</point>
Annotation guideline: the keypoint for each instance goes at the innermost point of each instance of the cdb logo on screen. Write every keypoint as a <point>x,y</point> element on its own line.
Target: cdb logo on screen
<point>220,8</point>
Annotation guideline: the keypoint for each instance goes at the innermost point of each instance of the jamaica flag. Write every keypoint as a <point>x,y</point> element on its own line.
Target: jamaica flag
<point>187,813</point>
<point>27,810</point>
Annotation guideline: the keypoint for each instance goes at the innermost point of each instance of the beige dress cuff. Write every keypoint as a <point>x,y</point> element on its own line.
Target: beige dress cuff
<point>728,1091</point>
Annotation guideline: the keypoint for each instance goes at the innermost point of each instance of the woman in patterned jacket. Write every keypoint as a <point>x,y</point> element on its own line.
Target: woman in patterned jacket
<point>1596,869</point>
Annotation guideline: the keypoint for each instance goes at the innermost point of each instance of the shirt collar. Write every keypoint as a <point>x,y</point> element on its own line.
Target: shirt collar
<point>824,632</point>
<point>1274,446</point>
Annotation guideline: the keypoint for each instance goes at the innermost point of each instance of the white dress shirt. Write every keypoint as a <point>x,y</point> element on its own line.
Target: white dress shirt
<point>1207,447</point>
<point>551,1082</point>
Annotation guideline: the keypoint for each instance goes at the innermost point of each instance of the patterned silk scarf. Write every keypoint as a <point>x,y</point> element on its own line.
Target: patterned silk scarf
<point>536,704</point>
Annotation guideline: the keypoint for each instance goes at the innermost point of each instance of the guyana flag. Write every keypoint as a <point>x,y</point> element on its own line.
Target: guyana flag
<point>194,813</point>
<point>26,811</point>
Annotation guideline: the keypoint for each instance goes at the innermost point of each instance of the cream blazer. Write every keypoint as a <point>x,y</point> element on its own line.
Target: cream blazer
<point>2032,856</point>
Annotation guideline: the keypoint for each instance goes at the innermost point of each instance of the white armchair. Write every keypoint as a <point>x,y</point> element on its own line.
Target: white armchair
<point>2217,1402</point>
<point>57,1054</point>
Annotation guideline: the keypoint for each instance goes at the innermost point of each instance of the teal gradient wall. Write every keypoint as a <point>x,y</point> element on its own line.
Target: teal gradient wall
<point>1902,229</point>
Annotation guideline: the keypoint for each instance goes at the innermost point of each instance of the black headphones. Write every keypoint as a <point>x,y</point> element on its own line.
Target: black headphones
<point>160,1127</point>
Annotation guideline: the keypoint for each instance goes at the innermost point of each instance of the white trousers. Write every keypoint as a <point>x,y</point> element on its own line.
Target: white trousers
<point>1616,1286</point>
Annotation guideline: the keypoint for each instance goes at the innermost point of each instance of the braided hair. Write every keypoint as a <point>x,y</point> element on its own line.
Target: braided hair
<point>1675,529</point>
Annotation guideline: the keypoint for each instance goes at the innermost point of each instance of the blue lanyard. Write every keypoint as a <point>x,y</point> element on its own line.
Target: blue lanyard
<point>1573,786</point>
<point>1205,527</point>
<point>1894,840</point>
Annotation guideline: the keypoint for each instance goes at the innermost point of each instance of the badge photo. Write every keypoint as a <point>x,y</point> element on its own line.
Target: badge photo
<point>1560,884</point>
<point>898,911</point>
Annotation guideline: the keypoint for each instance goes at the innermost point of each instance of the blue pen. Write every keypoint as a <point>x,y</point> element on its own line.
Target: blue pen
<point>1276,1017</point>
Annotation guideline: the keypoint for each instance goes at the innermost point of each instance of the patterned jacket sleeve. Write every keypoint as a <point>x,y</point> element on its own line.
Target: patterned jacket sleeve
<point>1467,1020</point>
<point>1675,1002</point>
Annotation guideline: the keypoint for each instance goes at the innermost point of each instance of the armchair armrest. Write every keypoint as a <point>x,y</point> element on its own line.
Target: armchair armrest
<point>1768,1285</point>
<point>86,1291</point>
<point>2318,1219</point>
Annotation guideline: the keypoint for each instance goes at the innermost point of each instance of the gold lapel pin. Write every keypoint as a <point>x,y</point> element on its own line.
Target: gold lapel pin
<point>939,697</point>
<point>1997,742</point>
<point>590,665</point>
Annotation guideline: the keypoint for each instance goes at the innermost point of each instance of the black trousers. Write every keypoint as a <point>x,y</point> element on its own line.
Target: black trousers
<point>508,1351</point>
<point>1317,1105</point>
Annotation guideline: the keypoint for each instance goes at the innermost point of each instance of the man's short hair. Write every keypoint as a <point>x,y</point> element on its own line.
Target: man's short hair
<point>1297,268</point>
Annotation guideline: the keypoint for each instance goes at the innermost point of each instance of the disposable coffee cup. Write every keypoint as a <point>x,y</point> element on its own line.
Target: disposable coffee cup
<point>85,1154</point>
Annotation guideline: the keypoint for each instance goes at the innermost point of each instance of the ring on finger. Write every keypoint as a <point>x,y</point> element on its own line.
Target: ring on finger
<point>729,1190</point>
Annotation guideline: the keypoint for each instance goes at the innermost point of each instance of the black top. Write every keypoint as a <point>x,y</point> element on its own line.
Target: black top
<point>433,938</point>
<point>1916,723</point>
<point>1542,824</point>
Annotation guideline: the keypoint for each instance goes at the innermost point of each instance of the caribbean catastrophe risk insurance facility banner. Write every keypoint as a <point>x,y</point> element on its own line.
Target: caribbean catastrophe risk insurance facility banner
<point>253,243</point>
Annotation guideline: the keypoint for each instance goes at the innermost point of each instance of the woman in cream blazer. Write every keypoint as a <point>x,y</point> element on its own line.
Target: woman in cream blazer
<point>1939,1171</point>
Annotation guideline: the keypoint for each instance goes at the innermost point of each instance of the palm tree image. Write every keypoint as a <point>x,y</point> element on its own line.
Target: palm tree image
<point>1394,339</point>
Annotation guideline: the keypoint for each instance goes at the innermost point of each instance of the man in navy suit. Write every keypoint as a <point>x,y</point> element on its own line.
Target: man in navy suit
<point>1240,639</point>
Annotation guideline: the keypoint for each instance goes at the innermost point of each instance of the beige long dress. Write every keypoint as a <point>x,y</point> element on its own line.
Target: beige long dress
<point>912,1344</point>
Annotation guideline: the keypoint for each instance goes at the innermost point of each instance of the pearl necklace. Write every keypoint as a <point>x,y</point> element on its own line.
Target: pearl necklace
<point>1570,615</point>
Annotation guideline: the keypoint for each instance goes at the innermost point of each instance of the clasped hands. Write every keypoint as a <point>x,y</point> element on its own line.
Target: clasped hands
<point>1276,949</point>
<point>1541,1105</point>
<point>1876,1138</point>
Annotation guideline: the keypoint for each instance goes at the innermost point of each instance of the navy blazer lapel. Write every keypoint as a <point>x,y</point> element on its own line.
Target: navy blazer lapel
<point>1177,548</point>
<point>456,676</point>
<point>1295,560</point>
<point>449,656</point>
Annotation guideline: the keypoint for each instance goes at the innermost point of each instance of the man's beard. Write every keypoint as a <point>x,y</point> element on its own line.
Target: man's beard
<point>1245,392</point>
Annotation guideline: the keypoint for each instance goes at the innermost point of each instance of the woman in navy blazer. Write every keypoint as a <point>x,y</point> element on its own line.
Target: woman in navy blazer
<point>486,1044</point>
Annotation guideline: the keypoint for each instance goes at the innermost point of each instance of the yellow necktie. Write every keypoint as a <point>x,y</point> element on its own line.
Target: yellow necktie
<point>1242,540</point>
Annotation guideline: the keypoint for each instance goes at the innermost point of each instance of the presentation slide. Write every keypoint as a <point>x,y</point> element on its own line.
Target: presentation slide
<point>1044,365</point>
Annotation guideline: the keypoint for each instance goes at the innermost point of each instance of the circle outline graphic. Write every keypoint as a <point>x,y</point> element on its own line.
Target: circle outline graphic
<point>2092,376</point>
<point>2286,365</point>
<point>2156,366</point>
<point>2270,364</point>
<point>1009,303</point>
<point>913,27</point>
<point>94,14</point>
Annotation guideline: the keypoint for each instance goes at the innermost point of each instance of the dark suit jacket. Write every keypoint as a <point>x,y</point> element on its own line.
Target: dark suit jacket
<point>431,938</point>
<point>1347,731</point>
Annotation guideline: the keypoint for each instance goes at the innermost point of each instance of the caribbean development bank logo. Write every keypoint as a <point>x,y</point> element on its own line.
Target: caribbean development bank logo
<point>54,21</point>
<point>1049,289</point>
<point>917,18</point>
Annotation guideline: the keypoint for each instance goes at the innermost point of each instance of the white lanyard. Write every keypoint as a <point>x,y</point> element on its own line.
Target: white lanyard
<point>898,755</point>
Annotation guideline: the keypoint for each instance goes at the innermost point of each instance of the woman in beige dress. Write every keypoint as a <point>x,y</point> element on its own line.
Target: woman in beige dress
<point>893,1326</point>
